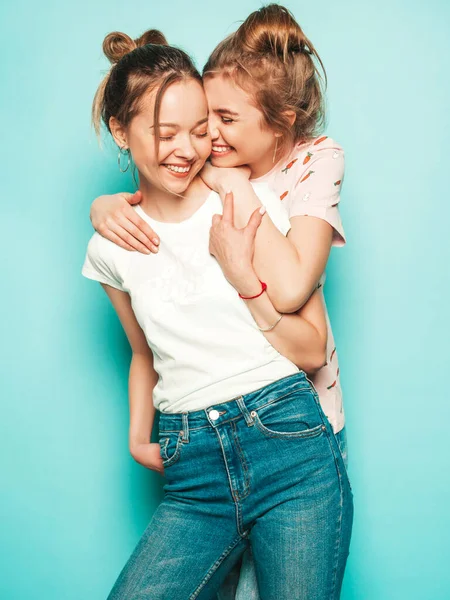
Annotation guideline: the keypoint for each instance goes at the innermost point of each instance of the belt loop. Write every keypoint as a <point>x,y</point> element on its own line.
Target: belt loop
<point>244,410</point>
<point>185,421</point>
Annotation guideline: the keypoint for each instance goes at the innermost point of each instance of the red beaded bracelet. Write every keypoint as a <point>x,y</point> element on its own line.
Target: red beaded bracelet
<point>264,288</point>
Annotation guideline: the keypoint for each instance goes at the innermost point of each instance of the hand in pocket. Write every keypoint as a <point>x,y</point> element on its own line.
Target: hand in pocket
<point>149,456</point>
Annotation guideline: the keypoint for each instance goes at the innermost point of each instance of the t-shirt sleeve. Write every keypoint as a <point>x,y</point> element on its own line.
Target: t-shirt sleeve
<point>276,211</point>
<point>318,184</point>
<point>101,265</point>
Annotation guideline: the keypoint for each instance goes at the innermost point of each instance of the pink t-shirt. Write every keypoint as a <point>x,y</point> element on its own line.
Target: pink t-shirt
<point>308,183</point>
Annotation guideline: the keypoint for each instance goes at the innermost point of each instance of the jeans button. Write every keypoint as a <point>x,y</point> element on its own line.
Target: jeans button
<point>213,414</point>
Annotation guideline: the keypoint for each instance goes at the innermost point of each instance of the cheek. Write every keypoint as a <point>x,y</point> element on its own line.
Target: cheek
<point>259,142</point>
<point>204,148</point>
<point>143,152</point>
<point>232,134</point>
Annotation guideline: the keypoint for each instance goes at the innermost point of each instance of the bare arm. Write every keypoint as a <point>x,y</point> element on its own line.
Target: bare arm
<point>301,337</point>
<point>142,380</point>
<point>291,266</point>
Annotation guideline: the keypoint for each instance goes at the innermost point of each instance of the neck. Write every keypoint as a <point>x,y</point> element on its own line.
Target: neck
<point>267,163</point>
<point>168,207</point>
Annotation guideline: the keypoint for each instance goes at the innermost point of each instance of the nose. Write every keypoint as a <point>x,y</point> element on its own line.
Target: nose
<point>212,127</point>
<point>186,149</point>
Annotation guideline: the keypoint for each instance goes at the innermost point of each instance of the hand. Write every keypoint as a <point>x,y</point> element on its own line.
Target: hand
<point>149,456</point>
<point>234,248</point>
<point>221,179</point>
<point>114,218</point>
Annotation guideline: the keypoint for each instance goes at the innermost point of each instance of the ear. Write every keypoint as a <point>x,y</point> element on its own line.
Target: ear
<point>118,132</point>
<point>290,114</point>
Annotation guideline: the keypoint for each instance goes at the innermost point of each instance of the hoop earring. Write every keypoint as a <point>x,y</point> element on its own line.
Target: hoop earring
<point>123,152</point>
<point>275,151</point>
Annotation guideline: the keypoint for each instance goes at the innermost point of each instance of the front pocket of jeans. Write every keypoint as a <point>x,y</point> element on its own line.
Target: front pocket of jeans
<point>294,416</point>
<point>170,445</point>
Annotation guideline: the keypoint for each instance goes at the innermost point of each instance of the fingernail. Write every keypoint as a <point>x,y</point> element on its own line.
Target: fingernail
<point>229,191</point>
<point>155,241</point>
<point>262,210</point>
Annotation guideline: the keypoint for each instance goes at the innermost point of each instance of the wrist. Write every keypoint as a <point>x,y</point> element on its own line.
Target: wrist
<point>250,286</point>
<point>135,446</point>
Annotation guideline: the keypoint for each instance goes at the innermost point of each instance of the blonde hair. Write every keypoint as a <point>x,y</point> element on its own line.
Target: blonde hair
<point>270,57</point>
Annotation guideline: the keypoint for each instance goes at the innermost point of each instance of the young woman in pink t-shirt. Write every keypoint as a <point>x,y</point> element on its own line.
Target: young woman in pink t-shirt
<point>265,102</point>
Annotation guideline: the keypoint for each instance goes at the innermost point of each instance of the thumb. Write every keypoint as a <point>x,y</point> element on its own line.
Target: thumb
<point>255,221</point>
<point>133,198</point>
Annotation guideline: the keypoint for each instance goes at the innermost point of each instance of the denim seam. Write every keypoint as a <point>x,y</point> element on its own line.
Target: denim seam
<point>168,462</point>
<point>244,465</point>
<point>342,456</point>
<point>233,496</point>
<point>305,434</point>
<point>341,492</point>
<point>339,526</point>
<point>214,568</point>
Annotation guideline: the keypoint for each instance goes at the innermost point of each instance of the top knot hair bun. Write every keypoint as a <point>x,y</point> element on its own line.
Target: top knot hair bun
<point>272,30</point>
<point>117,44</point>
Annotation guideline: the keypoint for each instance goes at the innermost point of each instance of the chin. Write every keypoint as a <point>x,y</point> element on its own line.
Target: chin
<point>224,161</point>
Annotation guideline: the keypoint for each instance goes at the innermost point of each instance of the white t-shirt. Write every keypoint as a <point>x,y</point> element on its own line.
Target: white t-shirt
<point>205,343</point>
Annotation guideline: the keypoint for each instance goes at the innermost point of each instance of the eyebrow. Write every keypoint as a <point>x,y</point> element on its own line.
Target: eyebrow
<point>205,120</point>
<point>226,111</point>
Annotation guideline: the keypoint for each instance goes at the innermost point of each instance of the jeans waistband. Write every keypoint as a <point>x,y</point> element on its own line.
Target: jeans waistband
<point>216,414</point>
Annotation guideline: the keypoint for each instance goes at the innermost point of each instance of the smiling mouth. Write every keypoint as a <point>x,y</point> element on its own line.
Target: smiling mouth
<point>178,170</point>
<point>221,150</point>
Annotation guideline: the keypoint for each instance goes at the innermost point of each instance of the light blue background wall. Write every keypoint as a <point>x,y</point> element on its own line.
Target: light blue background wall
<point>73,502</point>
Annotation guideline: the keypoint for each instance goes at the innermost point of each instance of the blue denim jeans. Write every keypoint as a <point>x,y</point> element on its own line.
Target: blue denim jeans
<point>262,471</point>
<point>241,582</point>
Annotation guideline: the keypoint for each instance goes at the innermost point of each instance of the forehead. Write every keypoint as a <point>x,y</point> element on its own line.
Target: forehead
<point>221,89</point>
<point>182,101</point>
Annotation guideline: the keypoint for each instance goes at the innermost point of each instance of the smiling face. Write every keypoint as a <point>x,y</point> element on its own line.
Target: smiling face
<point>184,142</point>
<point>239,134</point>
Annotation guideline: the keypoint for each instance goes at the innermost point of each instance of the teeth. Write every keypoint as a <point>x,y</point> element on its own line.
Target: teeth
<point>178,169</point>
<point>221,148</point>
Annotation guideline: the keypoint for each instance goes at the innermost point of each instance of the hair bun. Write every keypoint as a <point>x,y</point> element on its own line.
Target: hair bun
<point>272,30</point>
<point>117,44</point>
<point>152,36</point>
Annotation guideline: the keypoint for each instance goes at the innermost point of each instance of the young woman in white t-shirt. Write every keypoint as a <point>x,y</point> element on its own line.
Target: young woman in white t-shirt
<point>269,52</point>
<point>249,456</point>
<point>265,111</point>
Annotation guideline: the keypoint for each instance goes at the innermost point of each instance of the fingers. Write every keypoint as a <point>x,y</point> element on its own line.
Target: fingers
<point>216,219</point>
<point>142,226</point>
<point>228,208</point>
<point>139,229</point>
<point>255,221</point>
<point>113,237</point>
<point>127,240</point>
